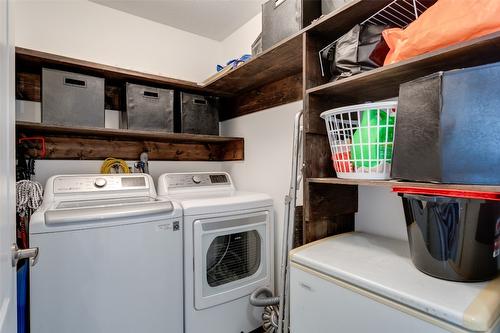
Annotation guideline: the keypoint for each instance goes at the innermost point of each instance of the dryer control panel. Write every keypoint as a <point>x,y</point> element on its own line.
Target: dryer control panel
<point>177,180</point>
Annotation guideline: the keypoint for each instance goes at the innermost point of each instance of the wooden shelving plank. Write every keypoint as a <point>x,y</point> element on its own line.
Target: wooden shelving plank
<point>281,61</point>
<point>98,143</point>
<point>384,82</point>
<point>393,183</point>
<point>31,59</point>
<point>121,133</point>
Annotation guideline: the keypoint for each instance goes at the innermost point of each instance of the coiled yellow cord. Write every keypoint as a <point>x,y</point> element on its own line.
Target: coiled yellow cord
<point>111,162</point>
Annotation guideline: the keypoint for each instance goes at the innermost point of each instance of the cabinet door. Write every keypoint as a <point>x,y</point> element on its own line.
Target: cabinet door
<point>319,305</point>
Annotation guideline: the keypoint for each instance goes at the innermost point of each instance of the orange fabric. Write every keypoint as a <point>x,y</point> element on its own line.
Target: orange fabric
<point>445,23</point>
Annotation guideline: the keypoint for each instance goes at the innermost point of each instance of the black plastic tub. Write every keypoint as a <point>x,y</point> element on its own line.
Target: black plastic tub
<point>452,238</point>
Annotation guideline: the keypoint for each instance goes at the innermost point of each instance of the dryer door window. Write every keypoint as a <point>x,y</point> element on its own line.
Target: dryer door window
<point>233,257</point>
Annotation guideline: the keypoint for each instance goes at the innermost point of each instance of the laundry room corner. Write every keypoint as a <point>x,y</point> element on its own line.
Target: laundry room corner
<point>250,166</point>
<point>86,30</point>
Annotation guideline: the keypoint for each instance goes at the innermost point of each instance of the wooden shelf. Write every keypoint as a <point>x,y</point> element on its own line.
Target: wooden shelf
<point>281,61</point>
<point>272,78</point>
<point>88,143</point>
<point>275,77</point>
<point>29,64</point>
<point>285,58</point>
<point>28,60</point>
<point>393,183</point>
<point>384,82</point>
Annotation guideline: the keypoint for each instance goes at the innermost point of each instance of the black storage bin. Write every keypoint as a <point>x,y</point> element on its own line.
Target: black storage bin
<point>448,127</point>
<point>452,238</point>
<point>283,18</point>
<point>148,108</point>
<point>328,6</point>
<point>72,99</point>
<point>199,114</point>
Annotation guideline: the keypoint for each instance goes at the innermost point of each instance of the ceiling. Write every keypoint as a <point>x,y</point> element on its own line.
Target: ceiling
<point>215,19</point>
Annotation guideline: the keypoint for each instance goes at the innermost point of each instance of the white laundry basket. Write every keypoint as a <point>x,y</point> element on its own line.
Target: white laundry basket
<point>361,138</point>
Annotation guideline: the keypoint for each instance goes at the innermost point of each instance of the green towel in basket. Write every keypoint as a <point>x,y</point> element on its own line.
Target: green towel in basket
<point>373,140</point>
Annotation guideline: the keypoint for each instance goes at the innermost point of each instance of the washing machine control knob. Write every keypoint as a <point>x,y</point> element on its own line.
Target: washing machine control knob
<point>100,182</point>
<point>196,179</point>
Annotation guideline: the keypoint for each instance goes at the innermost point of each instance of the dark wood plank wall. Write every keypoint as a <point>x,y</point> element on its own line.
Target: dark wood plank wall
<point>286,90</point>
<point>328,210</point>
<point>97,144</point>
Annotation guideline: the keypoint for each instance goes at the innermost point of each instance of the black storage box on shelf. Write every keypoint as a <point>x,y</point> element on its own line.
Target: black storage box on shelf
<point>283,18</point>
<point>328,6</point>
<point>199,114</point>
<point>448,127</point>
<point>452,237</point>
<point>71,99</point>
<point>148,108</point>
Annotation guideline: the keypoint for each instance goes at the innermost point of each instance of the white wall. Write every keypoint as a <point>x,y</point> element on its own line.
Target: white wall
<point>268,155</point>
<point>89,31</point>
<point>380,212</point>
<point>240,41</point>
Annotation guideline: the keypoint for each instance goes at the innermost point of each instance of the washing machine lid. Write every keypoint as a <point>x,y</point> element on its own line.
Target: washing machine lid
<point>220,202</point>
<point>383,266</point>
<point>73,202</point>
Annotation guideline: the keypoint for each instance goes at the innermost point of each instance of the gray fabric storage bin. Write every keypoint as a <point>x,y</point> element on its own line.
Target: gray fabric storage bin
<point>328,6</point>
<point>283,18</point>
<point>199,114</point>
<point>148,108</point>
<point>71,99</point>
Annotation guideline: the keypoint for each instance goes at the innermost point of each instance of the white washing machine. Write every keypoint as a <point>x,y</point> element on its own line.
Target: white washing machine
<point>357,283</point>
<point>110,257</point>
<point>228,250</point>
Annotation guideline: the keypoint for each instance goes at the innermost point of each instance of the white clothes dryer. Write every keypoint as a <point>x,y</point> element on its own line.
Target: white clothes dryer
<point>110,257</point>
<point>228,250</point>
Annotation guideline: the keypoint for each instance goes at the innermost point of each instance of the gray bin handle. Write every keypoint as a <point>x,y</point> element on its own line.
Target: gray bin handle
<point>151,94</point>
<point>68,81</point>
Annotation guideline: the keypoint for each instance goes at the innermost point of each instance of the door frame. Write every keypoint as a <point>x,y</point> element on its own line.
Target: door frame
<point>8,291</point>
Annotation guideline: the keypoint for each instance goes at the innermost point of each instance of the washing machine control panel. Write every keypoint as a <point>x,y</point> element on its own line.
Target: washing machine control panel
<point>199,179</point>
<point>70,184</point>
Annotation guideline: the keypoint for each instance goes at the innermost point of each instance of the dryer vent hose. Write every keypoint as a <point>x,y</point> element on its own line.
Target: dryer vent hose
<point>270,315</point>
<point>268,300</point>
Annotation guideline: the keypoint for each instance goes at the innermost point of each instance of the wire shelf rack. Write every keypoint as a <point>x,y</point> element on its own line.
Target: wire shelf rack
<point>398,13</point>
